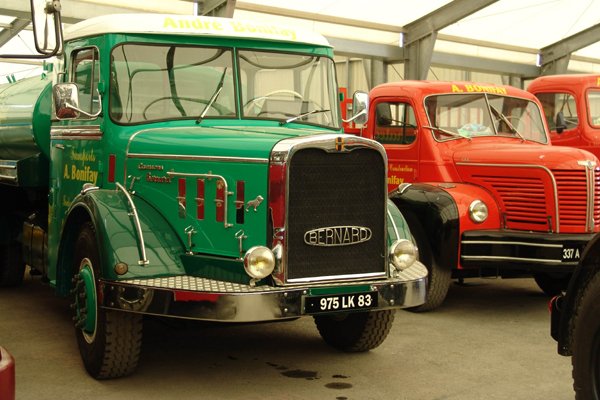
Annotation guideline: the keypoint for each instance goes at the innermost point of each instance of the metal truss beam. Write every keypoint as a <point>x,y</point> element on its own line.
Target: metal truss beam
<point>555,57</point>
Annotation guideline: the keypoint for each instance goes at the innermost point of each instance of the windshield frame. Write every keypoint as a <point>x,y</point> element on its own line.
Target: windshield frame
<point>490,115</point>
<point>333,108</point>
<point>593,120</point>
<point>329,71</point>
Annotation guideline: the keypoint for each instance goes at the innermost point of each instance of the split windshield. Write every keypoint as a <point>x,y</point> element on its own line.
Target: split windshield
<point>453,116</point>
<point>157,83</point>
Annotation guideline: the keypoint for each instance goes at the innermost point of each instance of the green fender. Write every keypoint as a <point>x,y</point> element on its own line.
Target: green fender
<point>397,227</point>
<point>111,214</point>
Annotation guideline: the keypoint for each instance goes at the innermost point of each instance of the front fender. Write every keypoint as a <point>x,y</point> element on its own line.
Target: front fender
<point>397,227</point>
<point>432,216</point>
<point>111,215</point>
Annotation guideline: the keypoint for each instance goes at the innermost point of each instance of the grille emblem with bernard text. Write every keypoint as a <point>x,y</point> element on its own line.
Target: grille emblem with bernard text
<point>331,236</point>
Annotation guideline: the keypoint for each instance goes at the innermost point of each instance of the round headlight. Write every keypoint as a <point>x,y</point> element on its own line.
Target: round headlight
<point>259,262</point>
<point>403,254</point>
<point>478,211</point>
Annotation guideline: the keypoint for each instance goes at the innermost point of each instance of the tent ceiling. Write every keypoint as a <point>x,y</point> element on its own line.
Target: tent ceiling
<point>515,29</point>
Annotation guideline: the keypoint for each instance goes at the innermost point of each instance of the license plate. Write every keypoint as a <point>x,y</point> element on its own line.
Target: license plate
<point>571,253</point>
<point>340,302</point>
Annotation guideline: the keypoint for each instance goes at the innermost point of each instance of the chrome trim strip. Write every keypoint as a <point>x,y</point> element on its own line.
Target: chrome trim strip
<point>179,297</point>
<point>506,258</point>
<point>337,277</point>
<point>554,185</point>
<point>210,176</point>
<point>9,178</point>
<point>248,160</point>
<point>136,220</point>
<point>79,132</point>
<point>511,243</point>
<point>394,226</point>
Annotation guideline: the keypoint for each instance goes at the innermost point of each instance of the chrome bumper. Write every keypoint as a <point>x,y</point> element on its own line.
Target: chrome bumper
<point>204,299</point>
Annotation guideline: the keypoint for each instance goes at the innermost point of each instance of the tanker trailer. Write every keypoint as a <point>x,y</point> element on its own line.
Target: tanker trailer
<point>25,108</point>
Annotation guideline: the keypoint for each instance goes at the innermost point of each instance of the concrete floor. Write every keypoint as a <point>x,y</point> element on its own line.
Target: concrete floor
<point>489,340</point>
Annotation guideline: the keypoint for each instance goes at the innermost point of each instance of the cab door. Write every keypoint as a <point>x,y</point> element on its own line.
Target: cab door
<point>395,127</point>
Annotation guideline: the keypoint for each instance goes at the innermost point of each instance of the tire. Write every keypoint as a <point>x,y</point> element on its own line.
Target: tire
<point>110,343</point>
<point>12,266</point>
<point>586,343</point>
<point>355,332</point>
<point>438,277</point>
<point>551,285</point>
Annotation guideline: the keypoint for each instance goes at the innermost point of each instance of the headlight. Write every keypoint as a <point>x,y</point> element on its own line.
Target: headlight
<point>403,253</point>
<point>259,262</point>
<point>478,211</point>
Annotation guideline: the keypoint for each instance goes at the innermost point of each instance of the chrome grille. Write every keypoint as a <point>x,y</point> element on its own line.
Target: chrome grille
<point>328,189</point>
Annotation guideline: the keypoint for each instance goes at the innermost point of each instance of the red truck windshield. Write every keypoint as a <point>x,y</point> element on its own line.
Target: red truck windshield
<point>465,115</point>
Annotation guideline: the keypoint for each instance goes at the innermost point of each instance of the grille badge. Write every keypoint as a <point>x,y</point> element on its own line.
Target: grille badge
<point>332,236</point>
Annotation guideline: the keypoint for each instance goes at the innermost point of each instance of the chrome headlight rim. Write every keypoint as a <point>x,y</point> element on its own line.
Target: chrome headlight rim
<point>403,254</point>
<point>259,262</point>
<point>478,211</point>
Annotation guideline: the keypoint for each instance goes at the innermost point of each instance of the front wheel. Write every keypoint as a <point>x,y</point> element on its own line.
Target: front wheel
<point>355,332</point>
<point>109,341</point>
<point>586,343</point>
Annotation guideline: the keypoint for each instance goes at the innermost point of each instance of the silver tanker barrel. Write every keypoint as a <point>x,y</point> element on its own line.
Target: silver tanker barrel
<point>25,109</point>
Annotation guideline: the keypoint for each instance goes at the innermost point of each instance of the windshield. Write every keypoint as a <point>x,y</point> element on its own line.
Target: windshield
<point>453,116</point>
<point>150,83</point>
<point>594,105</point>
<point>284,86</point>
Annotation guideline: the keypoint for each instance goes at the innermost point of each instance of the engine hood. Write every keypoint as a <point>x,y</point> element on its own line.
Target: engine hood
<point>240,142</point>
<point>551,157</point>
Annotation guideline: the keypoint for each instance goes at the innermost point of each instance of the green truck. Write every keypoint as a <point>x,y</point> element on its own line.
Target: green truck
<point>195,167</point>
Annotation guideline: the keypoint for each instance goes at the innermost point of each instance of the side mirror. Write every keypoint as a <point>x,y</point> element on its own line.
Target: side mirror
<point>561,123</point>
<point>47,30</point>
<point>360,108</point>
<point>66,100</point>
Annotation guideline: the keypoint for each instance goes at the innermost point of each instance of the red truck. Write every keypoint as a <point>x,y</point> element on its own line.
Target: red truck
<point>572,107</point>
<point>484,192</point>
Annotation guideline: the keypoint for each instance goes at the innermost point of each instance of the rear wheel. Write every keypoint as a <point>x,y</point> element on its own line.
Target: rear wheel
<point>586,343</point>
<point>109,341</point>
<point>355,332</point>
<point>552,285</point>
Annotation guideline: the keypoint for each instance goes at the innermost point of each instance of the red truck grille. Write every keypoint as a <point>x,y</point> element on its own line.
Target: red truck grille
<point>523,200</point>
<point>573,197</point>
<point>527,201</point>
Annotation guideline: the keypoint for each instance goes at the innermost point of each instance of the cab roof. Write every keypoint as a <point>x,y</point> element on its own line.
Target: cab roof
<point>419,89</point>
<point>572,82</point>
<point>190,25</point>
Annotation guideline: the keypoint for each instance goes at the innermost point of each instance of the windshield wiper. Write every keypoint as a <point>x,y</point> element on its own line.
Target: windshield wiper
<point>213,98</point>
<point>504,119</point>
<point>292,119</point>
<point>447,132</point>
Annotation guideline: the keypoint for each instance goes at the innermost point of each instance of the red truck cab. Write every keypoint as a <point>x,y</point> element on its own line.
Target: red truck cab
<point>484,192</point>
<point>572,107</point>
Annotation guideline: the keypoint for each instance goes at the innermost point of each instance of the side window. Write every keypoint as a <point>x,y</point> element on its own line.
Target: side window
<point>395,123</point>
<point>85,72</point>
<point>554,103</point>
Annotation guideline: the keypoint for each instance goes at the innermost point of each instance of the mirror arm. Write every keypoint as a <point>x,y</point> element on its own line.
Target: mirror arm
<point>363,112</point>
<point>87,114</point>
